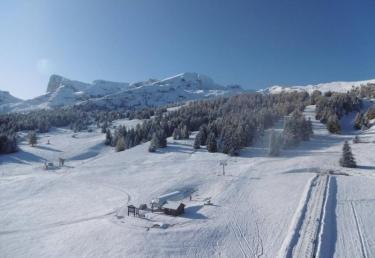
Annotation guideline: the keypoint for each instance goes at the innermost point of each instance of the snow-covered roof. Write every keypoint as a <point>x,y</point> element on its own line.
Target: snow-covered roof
<point>169,194</point>
<point>172,205</point>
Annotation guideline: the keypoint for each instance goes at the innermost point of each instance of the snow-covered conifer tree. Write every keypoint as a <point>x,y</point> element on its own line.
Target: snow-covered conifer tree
<point>197,141</point>
<point>211,143</point>
<point>120,144</point>
<point>108,138</point>
<point>347,159</point>
<point>32,138</point>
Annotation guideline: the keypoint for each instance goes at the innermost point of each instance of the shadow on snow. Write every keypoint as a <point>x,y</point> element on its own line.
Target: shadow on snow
<point>21,157</point>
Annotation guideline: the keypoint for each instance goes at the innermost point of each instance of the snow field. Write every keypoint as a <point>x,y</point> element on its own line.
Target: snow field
<point>77,211</point>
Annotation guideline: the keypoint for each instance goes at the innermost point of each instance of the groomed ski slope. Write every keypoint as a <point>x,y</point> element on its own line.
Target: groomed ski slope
<point>78,210</point>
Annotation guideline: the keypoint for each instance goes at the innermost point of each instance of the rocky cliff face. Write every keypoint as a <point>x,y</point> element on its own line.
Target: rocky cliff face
<point>54,82</point>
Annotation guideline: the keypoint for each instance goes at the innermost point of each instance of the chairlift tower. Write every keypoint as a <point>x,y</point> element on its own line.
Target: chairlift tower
<point>223,163</point>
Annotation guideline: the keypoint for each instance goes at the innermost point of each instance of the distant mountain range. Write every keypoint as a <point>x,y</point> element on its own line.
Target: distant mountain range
<point>63,92</point>
<point>323,87</point>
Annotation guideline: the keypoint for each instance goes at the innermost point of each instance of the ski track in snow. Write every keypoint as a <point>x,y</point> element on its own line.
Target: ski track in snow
<point>304,239</point>
<point>359,230</point>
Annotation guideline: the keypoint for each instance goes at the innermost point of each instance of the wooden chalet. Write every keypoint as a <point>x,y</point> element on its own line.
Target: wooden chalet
<point>173,208</point>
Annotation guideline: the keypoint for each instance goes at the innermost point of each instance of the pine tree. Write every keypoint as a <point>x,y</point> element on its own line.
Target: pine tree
<point>197,141</point>
<point>176,134</point>
<point>154,144</point>
<point>333,124</point>
<point>347,160</point>
<point>152,147</point>
<point>290,133</point>
<point>365,123</point>
<point>32,138</point>
<point>203,134</point>
<point>159,140</point>
<point>162,140</point>
<point>223,143</point>
<point>315,96</point>
<point>358,121</point>
<point>108,138</point>
<point>185,132</point>
<point>104,127</point>
<point>120,144</point>
<point>8,144</point>
<point>130,139</point>
<point>211,143</point>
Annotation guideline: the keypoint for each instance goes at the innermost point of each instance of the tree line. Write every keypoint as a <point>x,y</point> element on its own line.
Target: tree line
<point>76,118</point>
<point>224,124</point>
<point>331,107</point>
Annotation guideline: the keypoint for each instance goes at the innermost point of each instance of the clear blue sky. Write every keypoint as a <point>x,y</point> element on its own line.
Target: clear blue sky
<point>253,43</point>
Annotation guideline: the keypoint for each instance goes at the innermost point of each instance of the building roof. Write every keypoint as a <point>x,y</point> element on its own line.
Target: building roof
<point>169,194</point>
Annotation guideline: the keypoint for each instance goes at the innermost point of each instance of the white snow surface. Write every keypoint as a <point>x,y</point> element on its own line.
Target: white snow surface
<point>342,87</point>
<point>79,210</point>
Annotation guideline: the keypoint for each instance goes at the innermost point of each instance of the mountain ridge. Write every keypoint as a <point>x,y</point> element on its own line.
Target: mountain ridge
<point>336,86</point>
<point>62,92</point>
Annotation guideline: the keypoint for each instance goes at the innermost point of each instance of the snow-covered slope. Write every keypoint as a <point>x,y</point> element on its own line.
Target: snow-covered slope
<point>262,207</point>
<point>323,87</point>
<point>64,92</point>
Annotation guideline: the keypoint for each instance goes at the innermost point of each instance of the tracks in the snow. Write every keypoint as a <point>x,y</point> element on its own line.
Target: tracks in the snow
<point>57,224</point>
<point>241,238</point>
<point>360,234</point>
<point>71,222</point>
<point>303,241</point>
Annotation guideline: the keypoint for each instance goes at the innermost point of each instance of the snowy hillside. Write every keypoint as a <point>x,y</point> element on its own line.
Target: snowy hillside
<point>262,206</point>
<point>323,87</point>
<point>64,92</point>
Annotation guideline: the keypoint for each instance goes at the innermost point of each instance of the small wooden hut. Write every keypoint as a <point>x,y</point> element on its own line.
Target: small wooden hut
<point>133,210</point>
<point>173,208</point>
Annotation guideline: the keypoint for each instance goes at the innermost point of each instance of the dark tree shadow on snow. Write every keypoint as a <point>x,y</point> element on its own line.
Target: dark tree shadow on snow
<point>21,157</point>
<point>366,167</point>
<point>173,147</point>
<point>47,148</point>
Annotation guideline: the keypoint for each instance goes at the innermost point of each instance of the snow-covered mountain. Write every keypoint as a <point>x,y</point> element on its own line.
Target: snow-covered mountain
<point>179,88</point>
<point>62,92</point>
<point>100,93</point>
<point>323,87</point>
<point>6,98</point>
